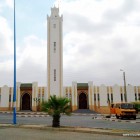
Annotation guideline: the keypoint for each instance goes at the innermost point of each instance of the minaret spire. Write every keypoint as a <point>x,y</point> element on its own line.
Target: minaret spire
<point>54,54</point>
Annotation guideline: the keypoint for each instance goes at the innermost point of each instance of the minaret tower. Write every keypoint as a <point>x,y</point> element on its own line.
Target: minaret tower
<point>54,54</point>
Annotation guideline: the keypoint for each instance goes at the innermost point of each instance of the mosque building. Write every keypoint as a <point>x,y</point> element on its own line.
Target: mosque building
<point>82,95</point>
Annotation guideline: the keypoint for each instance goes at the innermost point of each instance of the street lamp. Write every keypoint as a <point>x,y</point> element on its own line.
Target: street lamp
<point>125,92</point>
<point>14,94</point>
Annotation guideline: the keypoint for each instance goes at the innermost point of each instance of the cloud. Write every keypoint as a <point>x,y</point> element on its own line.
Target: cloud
<point>6,3</point>
<point>100,37</point>
<point>5,39</point>
<point>31,62</point>
<point>0,8</point>
<point>32,59</point>
<point>120,13</point>
<point>97,44</point>
<point>29,72</point>
<point>10,3</point>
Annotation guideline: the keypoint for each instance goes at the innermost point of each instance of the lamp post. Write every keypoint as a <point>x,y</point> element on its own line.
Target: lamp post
<point>14,94</point>
<point>125,92</point>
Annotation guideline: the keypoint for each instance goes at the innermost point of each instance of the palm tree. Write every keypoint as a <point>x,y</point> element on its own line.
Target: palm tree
<point>55,106</point>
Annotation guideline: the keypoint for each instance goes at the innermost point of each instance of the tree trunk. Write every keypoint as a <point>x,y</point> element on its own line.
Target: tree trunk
<point>56,121</point>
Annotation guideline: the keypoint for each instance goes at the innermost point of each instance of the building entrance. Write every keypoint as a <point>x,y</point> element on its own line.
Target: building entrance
<point>82,101</point>
<point>26,102</point>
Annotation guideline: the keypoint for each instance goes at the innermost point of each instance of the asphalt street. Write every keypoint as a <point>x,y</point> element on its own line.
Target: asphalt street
<point>76,121</point>
<point>33,134</point>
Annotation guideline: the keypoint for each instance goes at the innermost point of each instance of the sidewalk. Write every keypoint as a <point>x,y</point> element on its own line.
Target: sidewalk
<point>76,129</point>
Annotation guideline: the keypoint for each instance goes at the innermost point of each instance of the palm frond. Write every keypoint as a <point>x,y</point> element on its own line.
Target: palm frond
<point>56,106</point>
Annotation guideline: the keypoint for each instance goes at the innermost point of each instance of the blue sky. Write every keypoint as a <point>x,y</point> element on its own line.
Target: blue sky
<point>100,37</point>
<point>30,17</point>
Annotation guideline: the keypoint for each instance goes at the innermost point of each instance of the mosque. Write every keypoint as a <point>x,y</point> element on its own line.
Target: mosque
<point>82,95</point>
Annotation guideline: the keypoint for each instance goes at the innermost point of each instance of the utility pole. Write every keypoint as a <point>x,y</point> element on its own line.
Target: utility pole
<point>124,79</point>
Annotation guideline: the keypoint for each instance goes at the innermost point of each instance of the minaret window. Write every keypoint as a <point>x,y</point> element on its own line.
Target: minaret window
<point>54,25</point>
<point>54,45</point>
<point>54,74</point>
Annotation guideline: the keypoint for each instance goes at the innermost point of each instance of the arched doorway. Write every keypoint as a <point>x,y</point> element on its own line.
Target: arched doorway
<point>82,101</point>
<point>26,102</point>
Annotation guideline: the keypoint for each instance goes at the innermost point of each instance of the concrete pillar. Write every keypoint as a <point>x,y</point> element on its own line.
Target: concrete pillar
<point>34,96</point>
<point>131,93</point>
<point>116,94</point>
<point>90,95</point>
<point>74,96</point>
<point>103,100</point>
<point>18,96</point>
<point>4,104</point>
<point>11,102</point>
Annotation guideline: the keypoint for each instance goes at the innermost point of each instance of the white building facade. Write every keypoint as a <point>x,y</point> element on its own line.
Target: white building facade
<point>82,96</point>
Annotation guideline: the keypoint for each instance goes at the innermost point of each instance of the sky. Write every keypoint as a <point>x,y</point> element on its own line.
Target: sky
<point>100,37</point>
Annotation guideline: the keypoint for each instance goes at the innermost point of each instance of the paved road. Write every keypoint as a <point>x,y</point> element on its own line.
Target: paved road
<point>33,134</point>
<point>79,121</point>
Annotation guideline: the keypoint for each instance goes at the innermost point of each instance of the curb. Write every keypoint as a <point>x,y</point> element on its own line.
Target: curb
<point>95,116</point>
<point>32,116</point>
<point>75,129</point>
<point>114,120</point>
<point>25,113</point>
<point>42,114</point>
